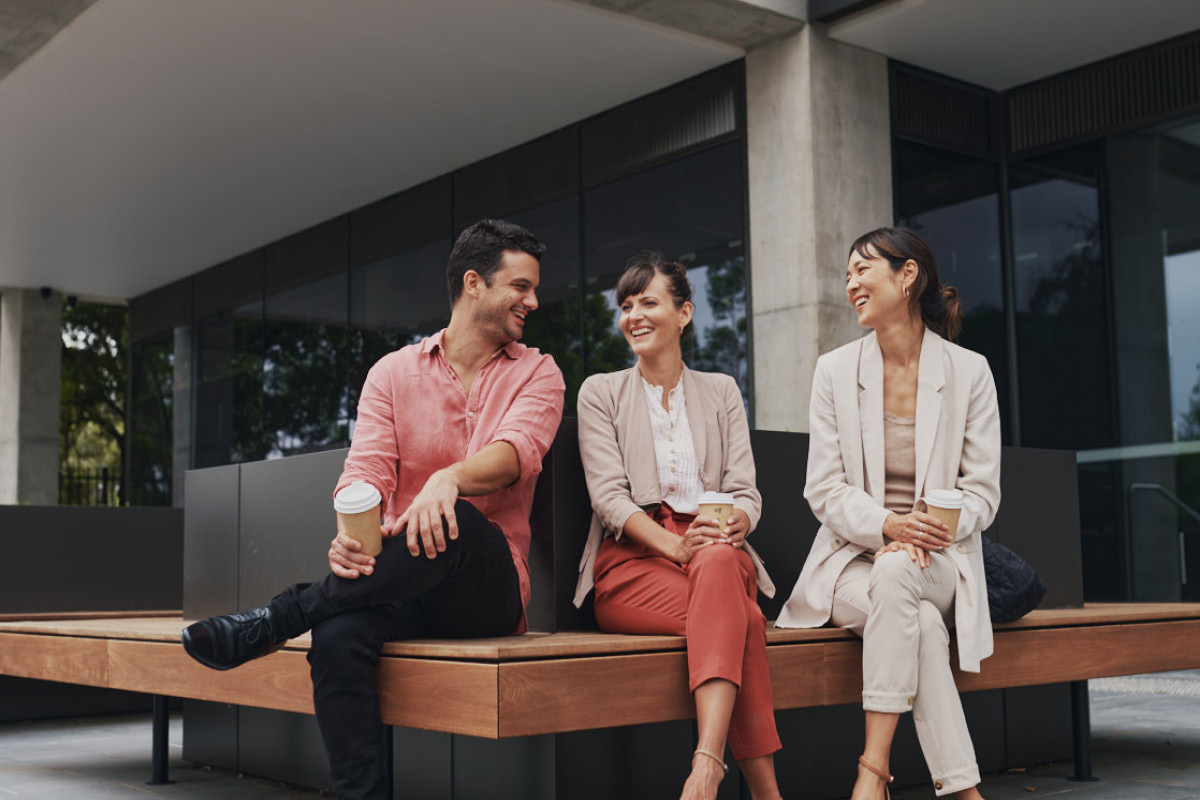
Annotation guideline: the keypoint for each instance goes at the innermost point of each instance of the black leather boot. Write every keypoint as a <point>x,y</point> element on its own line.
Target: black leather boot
<point>231,640</point>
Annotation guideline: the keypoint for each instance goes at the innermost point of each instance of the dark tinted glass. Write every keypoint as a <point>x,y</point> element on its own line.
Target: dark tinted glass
<point>229,378</point>
<point>151,421</point>
<point>691,210</point>
<point>953,202</point>
<point>396,301</point>
<point>1062,305</point>
<point>305,368</point>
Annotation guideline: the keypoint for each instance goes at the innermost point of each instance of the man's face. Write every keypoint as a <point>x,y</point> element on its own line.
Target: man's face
<point>503,306</point>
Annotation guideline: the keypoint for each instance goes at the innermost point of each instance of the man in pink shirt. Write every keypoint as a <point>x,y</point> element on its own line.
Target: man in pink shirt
<point>452,432</point>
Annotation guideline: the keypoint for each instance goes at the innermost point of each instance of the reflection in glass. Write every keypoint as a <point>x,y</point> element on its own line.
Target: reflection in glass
<point>151,420</point>
<point>1182,276</point>
<point>305,369</point>
<point>953,202</point>
<point>228,411</point>
<point>1061,298</point>
<point>395,301</point>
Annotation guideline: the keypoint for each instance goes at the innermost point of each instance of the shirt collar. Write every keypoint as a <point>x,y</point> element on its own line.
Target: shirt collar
<point>434,342</point>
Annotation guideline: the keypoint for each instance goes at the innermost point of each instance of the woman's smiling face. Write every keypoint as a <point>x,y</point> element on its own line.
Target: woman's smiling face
<point>874,289</point>
<point>650,321</point>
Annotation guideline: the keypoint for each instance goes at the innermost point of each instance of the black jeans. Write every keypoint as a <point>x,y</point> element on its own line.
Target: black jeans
<point>470,590</point>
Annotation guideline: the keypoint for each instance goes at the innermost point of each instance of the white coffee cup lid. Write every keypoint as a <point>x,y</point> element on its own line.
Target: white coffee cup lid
<point>359,496</point>
<point>944,498</point>
<point>715,497</point>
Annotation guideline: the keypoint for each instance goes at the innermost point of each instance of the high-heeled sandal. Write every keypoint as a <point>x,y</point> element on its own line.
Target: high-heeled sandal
<point>702,752</point>
<point>887,779</point>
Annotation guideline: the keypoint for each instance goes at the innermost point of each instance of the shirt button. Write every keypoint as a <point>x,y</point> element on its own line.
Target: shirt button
<point>937,784</point>
<point>672,469</point>
<point>962,549</point>
<point>910,701</point>
<point>470,413</point>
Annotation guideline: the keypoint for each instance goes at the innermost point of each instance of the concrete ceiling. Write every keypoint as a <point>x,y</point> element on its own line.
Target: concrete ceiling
<point>1000,44</point>
<point>150,139</point>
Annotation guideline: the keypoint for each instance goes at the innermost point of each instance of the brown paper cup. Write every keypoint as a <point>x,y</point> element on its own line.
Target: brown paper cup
<point>363,526</point>
<point>947,515</point>
<point>718,511</point>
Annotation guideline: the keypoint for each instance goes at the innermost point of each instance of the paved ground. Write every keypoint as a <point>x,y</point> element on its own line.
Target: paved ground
<point>1146,746</point>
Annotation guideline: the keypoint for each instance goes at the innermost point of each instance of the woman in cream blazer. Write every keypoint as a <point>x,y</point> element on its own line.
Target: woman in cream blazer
<point>652,439</point>
<point>880,565</point>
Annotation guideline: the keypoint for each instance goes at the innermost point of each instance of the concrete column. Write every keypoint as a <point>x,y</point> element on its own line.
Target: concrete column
<point>820,175</point>
<point>30,384</point>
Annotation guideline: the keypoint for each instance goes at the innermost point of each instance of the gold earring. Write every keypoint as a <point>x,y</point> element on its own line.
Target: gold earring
<point>906,291</point>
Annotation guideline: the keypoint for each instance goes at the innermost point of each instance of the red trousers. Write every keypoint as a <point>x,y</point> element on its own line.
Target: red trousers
<point>712,601</point>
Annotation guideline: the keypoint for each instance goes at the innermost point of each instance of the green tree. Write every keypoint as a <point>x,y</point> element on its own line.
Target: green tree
<point>722,347</point>
<point>92,423</point>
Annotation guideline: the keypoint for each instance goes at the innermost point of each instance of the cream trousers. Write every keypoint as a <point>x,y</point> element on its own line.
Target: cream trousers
<point>901,612</point>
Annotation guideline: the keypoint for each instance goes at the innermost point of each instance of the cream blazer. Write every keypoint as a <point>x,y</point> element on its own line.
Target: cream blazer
<point>957,443</point>
<point>617,449</point>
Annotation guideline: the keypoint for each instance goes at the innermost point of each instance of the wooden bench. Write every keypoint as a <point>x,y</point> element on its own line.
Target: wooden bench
<point>540,683</point>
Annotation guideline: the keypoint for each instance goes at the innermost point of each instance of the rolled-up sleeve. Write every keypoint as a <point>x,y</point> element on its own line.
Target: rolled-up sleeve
<point>532,419</point>
<point>374,454</point>
<point>603,464</point>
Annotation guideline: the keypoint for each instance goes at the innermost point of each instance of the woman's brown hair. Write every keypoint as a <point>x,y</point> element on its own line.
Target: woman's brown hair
<point>938,305</point>
<point>642,268</point>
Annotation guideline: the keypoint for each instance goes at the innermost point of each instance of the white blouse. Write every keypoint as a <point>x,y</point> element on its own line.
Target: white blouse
<point>678,470</point>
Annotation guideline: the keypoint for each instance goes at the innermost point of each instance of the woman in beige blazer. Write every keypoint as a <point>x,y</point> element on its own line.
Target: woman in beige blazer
<point>893,416</point>
<point>652,439</point>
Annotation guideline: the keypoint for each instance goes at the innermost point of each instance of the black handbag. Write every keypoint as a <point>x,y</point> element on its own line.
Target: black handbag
<point>1013,587</point>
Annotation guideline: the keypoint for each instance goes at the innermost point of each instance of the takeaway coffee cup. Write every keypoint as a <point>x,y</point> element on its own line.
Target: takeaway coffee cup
<point>357,507</point>
<point>718,505</point>
<point>946,505</point>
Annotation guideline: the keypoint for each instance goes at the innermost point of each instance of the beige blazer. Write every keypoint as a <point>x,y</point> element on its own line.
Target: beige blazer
<point>957,444</point>
<point>617,449</point>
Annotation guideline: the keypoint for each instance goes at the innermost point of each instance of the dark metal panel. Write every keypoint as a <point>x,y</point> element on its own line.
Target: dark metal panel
<point>311,254</point>
<point>283,746</point>
<point>287,522</point>
<point>210,542</point>
<point>667,124</point>
<point>1129,91</point>
<point>1039,518</point>
<point>401,222</point>
<point>786,531</point>
<point>228,285</point>
<point>25,698</point>
<point>160,310</point>
<point>828,11</point>
<point>1037,725</point>
<point>210,734</point>
<point>104,559</point>
<point>524,177</point>
<point>503,769</point>
<point>942,112</point>
<point>642,762</point>
<point>422,763</point>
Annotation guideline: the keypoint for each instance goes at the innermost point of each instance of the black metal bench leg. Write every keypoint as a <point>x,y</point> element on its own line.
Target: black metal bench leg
<point>1081,731</point>
<point>389,758</point>
<point>159,738</point>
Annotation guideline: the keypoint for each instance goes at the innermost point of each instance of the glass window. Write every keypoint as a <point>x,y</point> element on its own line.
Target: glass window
<point>1061,290</point>
<point>151,421</point>
<point>691,210</point>
<point>953,202</point>
<point>229,397</point>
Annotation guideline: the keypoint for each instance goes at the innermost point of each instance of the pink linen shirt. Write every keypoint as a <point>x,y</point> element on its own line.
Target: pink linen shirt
<point>414,419</point>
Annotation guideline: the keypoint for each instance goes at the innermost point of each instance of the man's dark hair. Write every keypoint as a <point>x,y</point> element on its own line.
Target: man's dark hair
<point>481,248</point>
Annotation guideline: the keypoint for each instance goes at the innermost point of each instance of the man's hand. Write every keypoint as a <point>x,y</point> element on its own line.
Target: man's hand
<point>422,520</point>
<point>346,559</point>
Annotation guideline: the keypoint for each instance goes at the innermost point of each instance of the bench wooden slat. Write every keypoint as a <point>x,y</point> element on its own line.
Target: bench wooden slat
<point>82,661</point>
<point>547,683</point>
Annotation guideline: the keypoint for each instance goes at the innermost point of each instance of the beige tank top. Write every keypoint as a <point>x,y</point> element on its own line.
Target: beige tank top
<point>899,463</point>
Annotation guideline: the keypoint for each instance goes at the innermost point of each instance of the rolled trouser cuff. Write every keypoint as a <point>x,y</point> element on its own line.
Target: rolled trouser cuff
<point>887,702</point>
<point>956,780</point>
